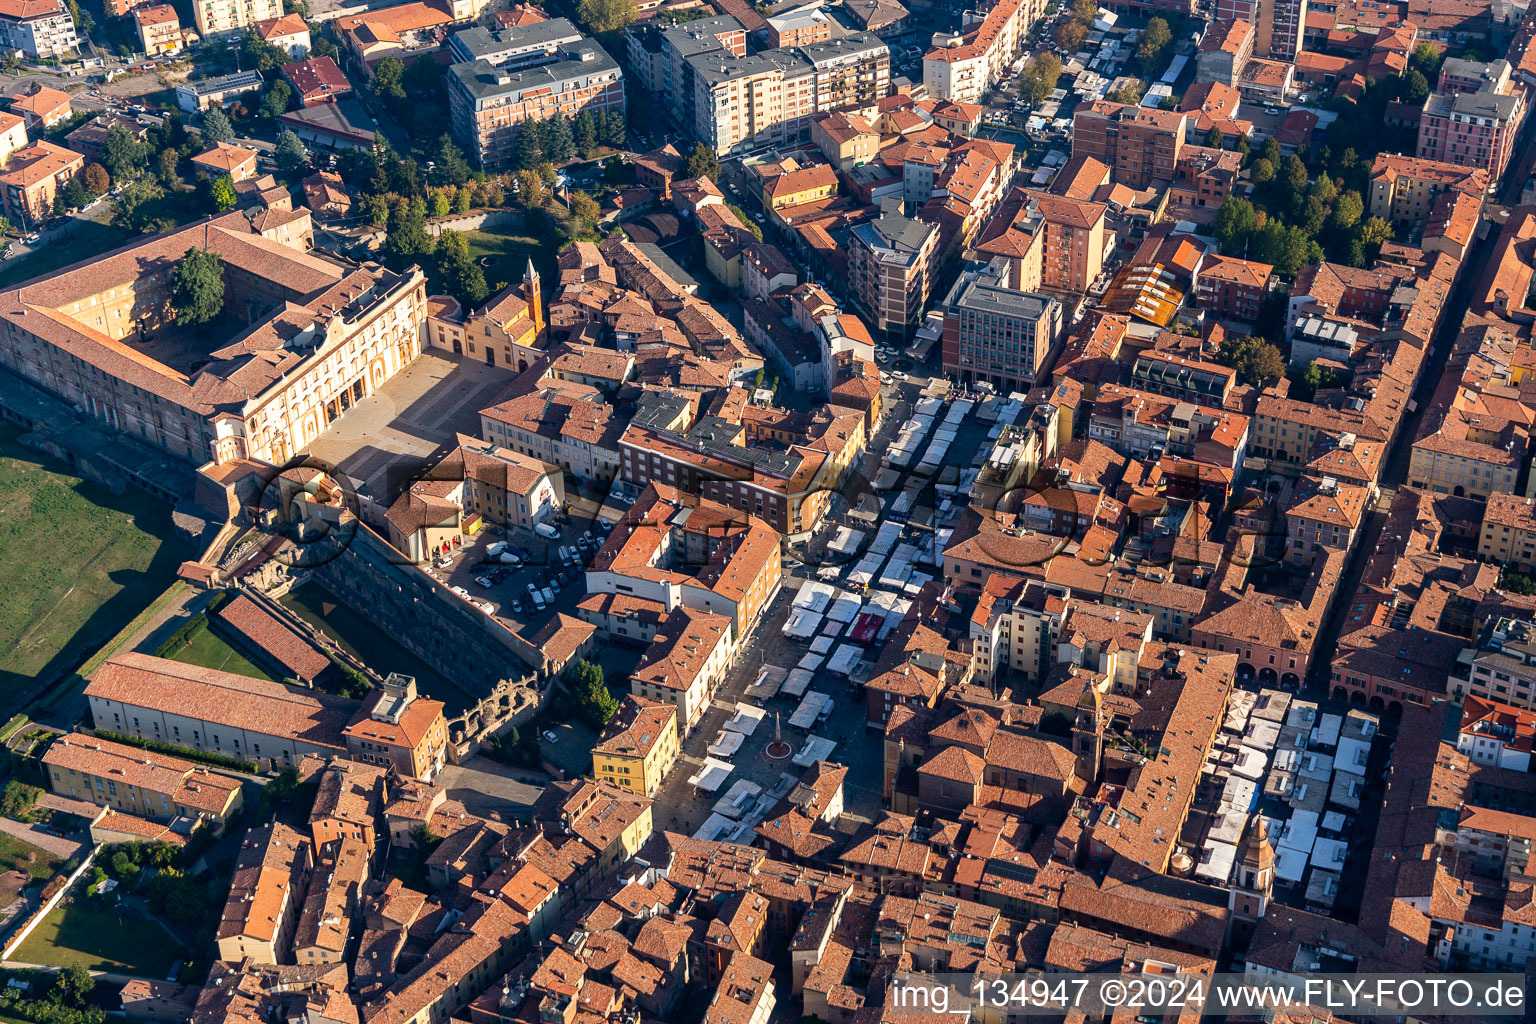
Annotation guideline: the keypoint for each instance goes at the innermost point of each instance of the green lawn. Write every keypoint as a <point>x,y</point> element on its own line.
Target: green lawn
<point>210,650</point>
<point>89,239</point>
<point>99,941</point>
<point>23,856</point>
<point>511,251</point>
<point>78,563</point>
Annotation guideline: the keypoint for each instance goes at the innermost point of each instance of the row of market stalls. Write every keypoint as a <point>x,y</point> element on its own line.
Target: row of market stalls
<point>1304,770</point>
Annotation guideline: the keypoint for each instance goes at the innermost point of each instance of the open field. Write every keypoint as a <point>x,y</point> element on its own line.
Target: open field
<point>78,562</point>
<point>100,941</point>
<point>510,251</point>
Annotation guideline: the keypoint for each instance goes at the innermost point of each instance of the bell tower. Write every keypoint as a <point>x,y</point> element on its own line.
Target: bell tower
<point>532,296</point>
<point>1255,881</point>
<point>1088,735</point>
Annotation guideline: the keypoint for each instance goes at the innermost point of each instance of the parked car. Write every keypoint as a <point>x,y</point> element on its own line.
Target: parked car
<point>545,530</point>
<point>549,734</point>
<point>549,595</point>
<point>483,581</point>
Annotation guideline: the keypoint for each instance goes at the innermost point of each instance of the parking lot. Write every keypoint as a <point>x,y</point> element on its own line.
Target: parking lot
<point>526,594</point>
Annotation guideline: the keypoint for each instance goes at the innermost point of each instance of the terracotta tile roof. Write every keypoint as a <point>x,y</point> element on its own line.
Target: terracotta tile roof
<point>638,726</point>
<point>270,634</point>
<point>256,705</point>
<point>180,782</point>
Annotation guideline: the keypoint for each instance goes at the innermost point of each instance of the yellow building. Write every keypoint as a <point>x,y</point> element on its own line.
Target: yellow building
<point>395,727</point>
<point>800,185</point>
<point>638,747</point>
<point>505,332</point>
<point>1508,536</point>
<point>139,782</point>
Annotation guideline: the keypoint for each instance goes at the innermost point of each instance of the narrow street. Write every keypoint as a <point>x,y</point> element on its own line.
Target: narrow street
<point>1394,469</point>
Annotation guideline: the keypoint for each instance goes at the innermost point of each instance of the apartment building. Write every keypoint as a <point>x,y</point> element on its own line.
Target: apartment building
<point>265,895</point>
<point>321,335</point>
<point>398,728</point>
<point>1325,514</point>
<point>1467,451</point>
<point>1508,534</point>
<point>1474,129</point>
<point>677,550</point>
<point>32,177</point>
<point>510,488</point>
<point>205,709</point>
<point>964,66</point>
<point>290,33</point>
<point>159,29</point>
<point>573,428</point>
<point>218,16</point>
<point>1278,24</point>
<point>13,135</point>
<point>1073,254</point>
<point>659,58</point>
<point>685,663</point>
<point>639,745</point>
<point>1225,50</point>
<point>890,267</point>
<point>1140,145</point>
<point>529,72</point>
<point>997,333</point>
<point>1501,664</point>
<point>38,28</point>
<point>766,100</point>
<point>41,107</point>
<point>1404,188</point>
<point>1496,734</point>
<point>1232,288</point>
<point>139,782</point>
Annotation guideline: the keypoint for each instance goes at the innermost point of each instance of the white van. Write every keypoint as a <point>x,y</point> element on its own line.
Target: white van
<point>545,530</point>
<point>496,549</point>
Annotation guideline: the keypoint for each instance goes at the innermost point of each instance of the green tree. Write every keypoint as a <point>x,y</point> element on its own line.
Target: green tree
<point>530,189</point>
<point>438,203</point>
<point>1071,35</point>
<point>612,131</point>
<point>216,127</point>
<point>559,143</point>
<point>1347,211</point>
<point>74,194</point>
<point>448,164</point>
<point>374,210</point>
<point>600,16</point>
<point>1039,78</point>
<point>123,154</point>
<point>1271,151</point>
<point>73,986</point>
<point>1261,171</point>
<point>1415,88</point>
<point>458,271</point>
<point>389,79</point>
<point>1236,221</point>
<point>530,146</point>
<point>702,163</point>
<point>84,23</point>
<point>289,152</point>
<point>491,192</point>
<point>221,193</point>
<point>595,703</point>
<point>256,54</point>
<point>1255,360</point>
<point>132,210</point>
<point>276,101</point>
<point>1150,50</point>
<point>1214,139</point>
<point>463,199</point>
<point>1085,10</point>
<point>97,180</point>
<point>406,240</point>
<point>585,209</point>
<point>1425,59</point>
<point>584,133</point>
<point>197,287</point>
<point>1373,232</point>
